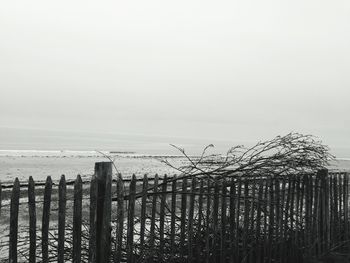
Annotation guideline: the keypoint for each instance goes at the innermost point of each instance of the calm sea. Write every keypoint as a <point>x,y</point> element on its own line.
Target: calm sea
<point>37,153</point>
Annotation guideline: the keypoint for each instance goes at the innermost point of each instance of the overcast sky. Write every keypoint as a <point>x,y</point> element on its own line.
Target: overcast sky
<point>230,70</point>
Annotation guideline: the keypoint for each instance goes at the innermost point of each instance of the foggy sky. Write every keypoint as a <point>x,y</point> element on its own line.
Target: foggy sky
<point>230,70</point>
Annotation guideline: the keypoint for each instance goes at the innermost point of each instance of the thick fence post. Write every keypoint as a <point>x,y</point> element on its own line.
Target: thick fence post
<point>103,174</point>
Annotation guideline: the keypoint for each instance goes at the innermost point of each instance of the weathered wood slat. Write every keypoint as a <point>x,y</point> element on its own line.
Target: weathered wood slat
<point>346,208</point>
<point>245,235</point>
<point>277,207</point>
<point>103,173</point>
<point>265,249</point>
<point>258,220</point>
<point>297,217</point>
<point>162,215</point>
<point>282,216</point>
<point>130,226</point>
<point>153,217</point>
<point>223,222</point>
<point>183,218</point>
<point>208,224</point>
<point>46,220</point>
<point>120,219</point>
<point>190,220</point>
<point>93,220</point>
<point>308,211</point>
<point>62,200</point>
<point>292,216</point>
<point>14,207</point>
<point>301,212</point>
<point>32,220</point>
<point>198,245</point>
<point>238,214</point>
<point>340,209</point>
<point>143,211</point>
<point>77,219</point>
<point>173,217</point>
<point>215,226</point>
<point>335,210</point>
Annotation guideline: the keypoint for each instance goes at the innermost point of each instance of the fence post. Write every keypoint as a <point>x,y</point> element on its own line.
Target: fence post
<point>103,174</point>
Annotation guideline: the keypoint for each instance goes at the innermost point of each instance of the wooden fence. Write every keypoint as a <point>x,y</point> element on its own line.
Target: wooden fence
<point>239,219</point>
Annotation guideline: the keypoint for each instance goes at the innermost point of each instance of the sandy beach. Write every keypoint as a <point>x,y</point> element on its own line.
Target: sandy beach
<point>41,164</point>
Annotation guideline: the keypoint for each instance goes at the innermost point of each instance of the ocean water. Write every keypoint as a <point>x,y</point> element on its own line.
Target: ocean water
<point>54,163</point>
<point>41,153</point>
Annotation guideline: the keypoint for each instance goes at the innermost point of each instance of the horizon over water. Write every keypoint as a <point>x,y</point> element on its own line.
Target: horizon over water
<point>29,139</point>
<point>25,152</point>
<point>45,140</point>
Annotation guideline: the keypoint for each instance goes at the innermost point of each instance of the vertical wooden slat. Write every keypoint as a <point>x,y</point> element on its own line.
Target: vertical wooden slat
<point>190,220</point>
<point>258,220</point>
<point>340,205</point>
<point>103,171</point>
<point>93,217</point>
<point>245,253</point>
<point>267,225</point>
<point>62,189</point>
<point>120,219</point>
<point>223,223</point>
<point>346,203</point>
<point>46,220</point>
<point>238,213</point>
<point>143,211</point>
<point>297,223</point>
<point>232,217</point>
<point>278,205</point>
<point>173,215</point>
<point>282,217</point>
<point>253,206</point>
<point>154,211</point>
<point>312,190</point>
<point>215,226</point>
<point>208,224</point>
<point>331,200</point>
<point>77,217</point>
<point>200,206</point>
<point>323,226</point>
<point>308,213</point>
<point>130,227</point>
<point>162,214</point>
<point>335,209</point>
<point>199,237</point>
<point>302,211</point>
<point>343,206</point>
<point>327,211</point>
<point>316,215</point>
<point>32,220</point>
<point>183,218</point>
<point>292,216</point>
<point>253,202</point>
<point>14,222</point>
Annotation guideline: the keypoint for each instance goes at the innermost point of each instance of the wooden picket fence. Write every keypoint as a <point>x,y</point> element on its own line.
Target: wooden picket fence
<point>182,219</point>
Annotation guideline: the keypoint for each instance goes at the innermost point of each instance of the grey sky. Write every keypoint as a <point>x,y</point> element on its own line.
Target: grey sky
<point>230,70</point>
